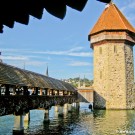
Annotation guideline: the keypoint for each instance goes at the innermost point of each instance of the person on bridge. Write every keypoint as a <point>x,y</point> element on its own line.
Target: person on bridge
<point>90,107</point>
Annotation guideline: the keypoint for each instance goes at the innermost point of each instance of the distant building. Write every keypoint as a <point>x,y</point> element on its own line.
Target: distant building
<point>112,39</point>
<point>85,94</point>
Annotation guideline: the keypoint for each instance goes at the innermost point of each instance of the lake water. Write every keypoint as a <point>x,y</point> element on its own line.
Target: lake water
<point>83,122</point>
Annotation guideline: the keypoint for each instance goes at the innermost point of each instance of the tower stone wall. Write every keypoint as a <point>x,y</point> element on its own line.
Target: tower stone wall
<point>130,93</point>
<point>113,76</point>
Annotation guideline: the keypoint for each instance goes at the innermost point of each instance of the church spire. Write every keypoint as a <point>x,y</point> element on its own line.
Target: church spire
<point>47,74</point>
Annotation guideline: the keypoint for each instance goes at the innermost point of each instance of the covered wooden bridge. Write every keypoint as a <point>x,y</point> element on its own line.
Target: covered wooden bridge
<point>20,10</point>
<point>17,78</point>
<point>16,84</point>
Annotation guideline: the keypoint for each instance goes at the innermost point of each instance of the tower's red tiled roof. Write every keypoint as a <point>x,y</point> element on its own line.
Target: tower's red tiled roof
<point>112,19</point>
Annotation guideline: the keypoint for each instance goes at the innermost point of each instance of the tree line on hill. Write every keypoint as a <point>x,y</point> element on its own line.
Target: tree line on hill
<point>75,81</point>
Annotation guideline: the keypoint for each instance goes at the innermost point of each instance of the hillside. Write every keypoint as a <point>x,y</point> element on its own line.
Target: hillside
<point>75,81</point>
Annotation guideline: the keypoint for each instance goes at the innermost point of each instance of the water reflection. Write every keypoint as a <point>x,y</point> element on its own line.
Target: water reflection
<point>109,121</point>
<point>83,122</point>
<point>113,121</point>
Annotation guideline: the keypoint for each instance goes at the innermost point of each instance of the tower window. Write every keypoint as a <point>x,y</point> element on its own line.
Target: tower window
<point>100,74</point>
<point>100,50</point>
<point>115,49</point>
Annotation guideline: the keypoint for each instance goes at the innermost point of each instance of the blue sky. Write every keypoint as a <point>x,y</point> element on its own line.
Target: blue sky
<point>61,44</point>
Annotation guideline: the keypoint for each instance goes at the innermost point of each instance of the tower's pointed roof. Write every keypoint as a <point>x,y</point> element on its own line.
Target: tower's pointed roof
<point>112,19</point>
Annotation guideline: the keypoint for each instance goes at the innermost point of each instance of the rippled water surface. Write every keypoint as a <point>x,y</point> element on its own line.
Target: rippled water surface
<point>82,122</point>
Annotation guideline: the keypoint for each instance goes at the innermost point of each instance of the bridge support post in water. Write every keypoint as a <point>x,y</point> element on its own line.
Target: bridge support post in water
<point>61,110</point>
<point>69,107</point>
<point>65,108</point>
<point>26,119</point>
<point>18,125</point>
<point>76,105</point>
<point>56,108</point>
<point>46,115</point>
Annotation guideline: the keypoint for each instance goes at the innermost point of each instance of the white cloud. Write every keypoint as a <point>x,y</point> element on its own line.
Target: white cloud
<point>81,54</point>
<point>13,58</point>
<point>11,50</point>
<point>77,51</point>
<point>22,64</point>
<point>72,52</point>
<point>79,63</point>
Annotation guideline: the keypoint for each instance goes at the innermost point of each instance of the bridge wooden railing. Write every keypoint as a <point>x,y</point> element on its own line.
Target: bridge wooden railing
<point>19,105</point>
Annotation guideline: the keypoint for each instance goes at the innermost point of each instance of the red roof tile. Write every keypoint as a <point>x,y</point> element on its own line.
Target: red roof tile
<point>112,19</point>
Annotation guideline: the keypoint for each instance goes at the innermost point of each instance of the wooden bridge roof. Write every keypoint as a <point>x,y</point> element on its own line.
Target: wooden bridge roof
<point>19,10</point>
<point>15,76</point>
<point>12,11</point>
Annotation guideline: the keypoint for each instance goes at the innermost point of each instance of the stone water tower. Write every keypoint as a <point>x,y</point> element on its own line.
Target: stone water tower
<point>112,39</point>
